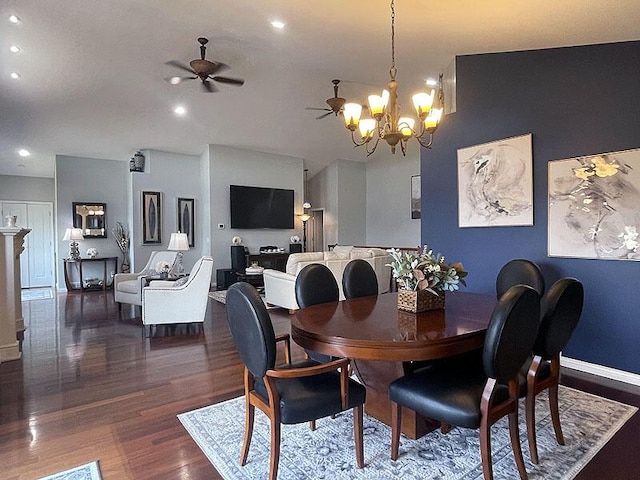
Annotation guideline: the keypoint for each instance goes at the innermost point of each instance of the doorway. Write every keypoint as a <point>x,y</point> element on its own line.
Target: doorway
<point>316,231</point>
<point>36,262</point>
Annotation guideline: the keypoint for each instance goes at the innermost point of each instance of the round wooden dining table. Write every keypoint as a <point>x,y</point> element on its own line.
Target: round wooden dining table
<point>384,342</point>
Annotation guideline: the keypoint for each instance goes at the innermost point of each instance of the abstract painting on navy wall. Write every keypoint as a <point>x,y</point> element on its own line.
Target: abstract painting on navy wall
<point>495,183</point>
<point>594,206</point>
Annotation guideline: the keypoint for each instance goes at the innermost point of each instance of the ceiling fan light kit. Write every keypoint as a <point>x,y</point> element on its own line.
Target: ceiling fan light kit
<point>203,69</point>
<point>385,121</point>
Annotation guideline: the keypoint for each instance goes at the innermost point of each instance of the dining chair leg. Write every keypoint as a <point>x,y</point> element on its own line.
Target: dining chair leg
<point>396,425</point>
<point>248,432</point>
<point>485,448</point>
<point>275,449</point>
<point>357,435</point>
<point>530,411</point>
<point>514,433</point>
<point>555,413</point>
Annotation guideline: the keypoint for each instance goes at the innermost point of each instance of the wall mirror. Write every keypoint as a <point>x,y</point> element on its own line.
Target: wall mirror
<point>91,217</point>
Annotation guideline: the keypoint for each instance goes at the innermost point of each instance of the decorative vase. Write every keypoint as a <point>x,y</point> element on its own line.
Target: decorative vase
<point>10,220</point>
<point>419,300</point>
<point>136,164</point>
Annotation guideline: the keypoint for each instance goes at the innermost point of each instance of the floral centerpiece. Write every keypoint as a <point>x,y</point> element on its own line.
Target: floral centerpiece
<point>423,277</point>
<point>121,234</point>
<point>163,268</point>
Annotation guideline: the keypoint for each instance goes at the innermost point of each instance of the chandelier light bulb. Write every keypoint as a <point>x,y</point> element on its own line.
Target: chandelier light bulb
<point>405,125</point>
<point>367,128</point>
<point>352,112</point>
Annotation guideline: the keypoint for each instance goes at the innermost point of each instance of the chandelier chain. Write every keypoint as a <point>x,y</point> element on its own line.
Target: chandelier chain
<point>393,70</point>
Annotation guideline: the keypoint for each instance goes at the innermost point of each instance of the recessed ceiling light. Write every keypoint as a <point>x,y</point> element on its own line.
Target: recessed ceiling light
<point>174,80</point>
<point>180,110</point>
<point>23,153</point>
<point>277,24</point>
<point>15,75</point>
<point>14,19</point>
<point>14,48</point>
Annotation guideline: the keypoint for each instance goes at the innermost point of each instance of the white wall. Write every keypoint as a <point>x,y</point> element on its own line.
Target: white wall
<point>174,175</point>
<point>29,189</point>
<point>232,166</point>
<point>389,221</point>
<point>79,179</point>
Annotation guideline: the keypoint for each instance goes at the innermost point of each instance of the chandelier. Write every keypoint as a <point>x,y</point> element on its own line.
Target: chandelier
<point>385,120</point>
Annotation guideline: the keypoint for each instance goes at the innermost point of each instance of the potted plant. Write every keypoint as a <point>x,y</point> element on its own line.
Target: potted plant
<point>423,278</point>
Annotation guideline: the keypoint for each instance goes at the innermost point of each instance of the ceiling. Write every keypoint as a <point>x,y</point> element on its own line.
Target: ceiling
<point>92,71</point>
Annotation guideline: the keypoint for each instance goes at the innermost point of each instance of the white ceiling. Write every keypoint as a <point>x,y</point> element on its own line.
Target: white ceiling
<point>92,70</point>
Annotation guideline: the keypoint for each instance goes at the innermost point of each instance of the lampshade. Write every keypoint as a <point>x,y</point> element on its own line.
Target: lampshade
<point>179,242</point>
<point>73,234</point>
<point>305,217</point>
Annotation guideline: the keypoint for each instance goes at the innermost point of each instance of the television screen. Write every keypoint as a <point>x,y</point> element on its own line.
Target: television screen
<point>260,207</point>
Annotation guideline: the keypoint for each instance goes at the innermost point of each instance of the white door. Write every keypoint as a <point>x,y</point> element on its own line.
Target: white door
<point>316,231</point>
<point>36,262</point>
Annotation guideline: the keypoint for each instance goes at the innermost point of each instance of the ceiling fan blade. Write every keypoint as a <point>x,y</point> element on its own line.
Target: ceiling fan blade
<point>322,116</point>
<point>209,87</point>
<point>321,109</point>
<point>177,80</point>
<point>219,67</point>
<point>231,81</point>
<point>181,66</point>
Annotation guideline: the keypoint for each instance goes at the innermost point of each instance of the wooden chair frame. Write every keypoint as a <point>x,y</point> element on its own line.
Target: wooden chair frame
<point>271,405</point>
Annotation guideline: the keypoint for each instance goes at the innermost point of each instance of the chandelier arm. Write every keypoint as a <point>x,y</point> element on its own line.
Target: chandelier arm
<point>356,143</point>
<point>428,144</point>
<point>403,147</point>
<point>373,149</point>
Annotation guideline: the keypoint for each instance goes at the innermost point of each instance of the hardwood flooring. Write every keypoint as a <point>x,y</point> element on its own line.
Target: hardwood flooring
<point>90,386</point>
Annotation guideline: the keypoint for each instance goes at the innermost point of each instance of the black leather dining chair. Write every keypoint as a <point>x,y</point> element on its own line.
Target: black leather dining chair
<point>560,310</point>
<point>477,396</point>
<point>519,271</point>
<point>293,393</point>
<point>359,279</point>
<point>316,284</point>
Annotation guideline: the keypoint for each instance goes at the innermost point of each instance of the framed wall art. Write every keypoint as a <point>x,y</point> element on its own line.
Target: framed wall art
<point>593,206</point>
<point>416,196</point>
<point>151,218</point>
<point>186,216</point>
<point>495,183</point>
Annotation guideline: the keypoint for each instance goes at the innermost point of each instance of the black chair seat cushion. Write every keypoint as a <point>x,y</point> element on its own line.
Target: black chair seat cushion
<point>444,396</point>
<point>308,398</point>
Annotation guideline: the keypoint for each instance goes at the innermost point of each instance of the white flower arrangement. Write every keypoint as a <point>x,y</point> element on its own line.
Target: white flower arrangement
<point>92,252</point>
<point>163,267</point>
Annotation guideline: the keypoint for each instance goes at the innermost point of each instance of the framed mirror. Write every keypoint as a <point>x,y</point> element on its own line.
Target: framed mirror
<point>91,217</point>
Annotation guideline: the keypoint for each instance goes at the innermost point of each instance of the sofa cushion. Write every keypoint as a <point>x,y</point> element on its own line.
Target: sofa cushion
<point>129,286</point>
<point>295,258</point>
<point>378,252</point>
<point>332,256</point>
<point>360,253</point>
<point>342,251</point>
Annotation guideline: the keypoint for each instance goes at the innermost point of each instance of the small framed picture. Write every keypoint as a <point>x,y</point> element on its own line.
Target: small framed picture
<point>416,194</point>
<point>186,216</point>
<point>151,218</point>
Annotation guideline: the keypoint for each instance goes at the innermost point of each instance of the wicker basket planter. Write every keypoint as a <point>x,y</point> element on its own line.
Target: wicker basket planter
<point>419,300</point>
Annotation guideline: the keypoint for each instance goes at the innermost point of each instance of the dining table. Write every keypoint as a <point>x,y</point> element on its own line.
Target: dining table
<point>385,343</point>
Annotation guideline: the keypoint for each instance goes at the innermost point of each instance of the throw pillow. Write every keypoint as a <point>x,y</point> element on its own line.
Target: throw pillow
<point>180,281</point>
<point>361,253</point>
<point>342,251</point>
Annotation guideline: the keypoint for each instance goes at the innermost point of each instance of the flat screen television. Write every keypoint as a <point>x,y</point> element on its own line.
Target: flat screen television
<point>261,207</point>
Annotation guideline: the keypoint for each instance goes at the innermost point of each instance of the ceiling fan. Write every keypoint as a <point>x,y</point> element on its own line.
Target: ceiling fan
<point>203,69</point>
<point>336,103</point>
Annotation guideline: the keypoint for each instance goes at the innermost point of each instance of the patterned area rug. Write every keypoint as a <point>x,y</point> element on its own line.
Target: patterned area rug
<point>221,296</point>
<point>36,294</point>
<point>90,471</point>
<point>588,422</point>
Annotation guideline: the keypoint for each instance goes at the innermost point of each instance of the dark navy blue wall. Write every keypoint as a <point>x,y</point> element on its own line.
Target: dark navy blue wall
<point>574,101</point>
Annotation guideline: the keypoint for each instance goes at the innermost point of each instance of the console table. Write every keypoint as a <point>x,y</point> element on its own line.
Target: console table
<point>274,261</point>
<point>105,262</point>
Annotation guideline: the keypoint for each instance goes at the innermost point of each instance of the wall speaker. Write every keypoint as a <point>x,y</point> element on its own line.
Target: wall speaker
<point>295,248</point>
<point>238,258</point>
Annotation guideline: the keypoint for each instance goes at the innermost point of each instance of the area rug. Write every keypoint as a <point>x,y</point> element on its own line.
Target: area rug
<point>90,471</point>
<point>36,294</point>
<point>221,296</point>
<point>588,422</point>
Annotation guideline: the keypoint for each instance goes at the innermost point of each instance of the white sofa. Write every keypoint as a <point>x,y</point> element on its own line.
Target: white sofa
<point>279,287</point>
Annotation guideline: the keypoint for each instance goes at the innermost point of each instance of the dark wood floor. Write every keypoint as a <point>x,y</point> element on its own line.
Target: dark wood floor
<point>91,387</point>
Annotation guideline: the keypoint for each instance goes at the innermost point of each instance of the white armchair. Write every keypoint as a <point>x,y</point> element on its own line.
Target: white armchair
<point>166,302</point>
<point>127,287</point>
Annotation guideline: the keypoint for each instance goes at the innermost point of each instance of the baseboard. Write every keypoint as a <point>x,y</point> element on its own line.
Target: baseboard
<point>601,371</point>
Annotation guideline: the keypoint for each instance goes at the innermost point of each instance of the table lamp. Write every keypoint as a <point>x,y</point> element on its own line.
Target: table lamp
<point>180,243</point>
<point>73,234</point>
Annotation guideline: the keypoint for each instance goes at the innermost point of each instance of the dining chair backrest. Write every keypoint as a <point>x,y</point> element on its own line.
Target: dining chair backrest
<point>316,284</point>
<point>560,312</point>
<point>511,333</point>
<point>251,328</point>
<point>519,272</point>
<point>359,279</point>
